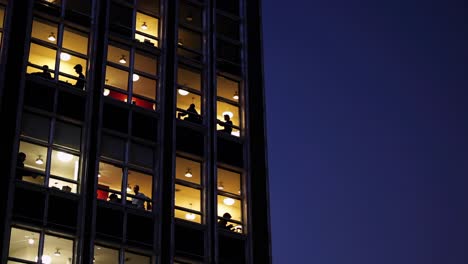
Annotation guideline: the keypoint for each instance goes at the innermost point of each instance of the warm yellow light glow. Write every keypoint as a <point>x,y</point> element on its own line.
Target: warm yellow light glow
<point>229,113</point>
<point>236,96</point>
<point>51,37</point>
<point>39,161</point>
<point>65,56</point>
<point>188,174</point>
<point>144,26</point>
<point>183,92</point>
<point>189,216</point>
<point>30,241</point>
<point>65,157</point>
<point>228,201</point>
<point>122,59</point>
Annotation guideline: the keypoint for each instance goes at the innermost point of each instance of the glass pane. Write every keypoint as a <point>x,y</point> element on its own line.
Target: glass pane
<point>65,165</point>
<point>144,39</point>
<point>2,16</point>
<point>189,102</point>
<point>188,170</point>
<point>227,27</point>
<point>116,78</point>
<point>36,156</point>
<point>69,65</point>
<point>141,155</point>
<point>189,216</point>
<point>147,24</point>
<point>131,258</point>
<point>144,183</point>
<point>35,126</point>
<point>146,63</point>
<point>75,41</point>
<point>148,5</point>
<point>190,14</point>
<point>63,185</point>
<point>225,113</point>
<point>41,55</point>
<point>57,250</point>
<point>118,55</point>
<point>24,244</point>
<point>144,86</point>
<point>231,206</point>
<point>80,6</point>
<point>44,31</point>
<point>229,181</point>
<point>187,197</point>
<point>227,88</point>
<point>112,147</point>
<point>67,135</point>
<point>190,39</point>
<point>189,77</point>
<point>110,177</point>
<point>104,255</point>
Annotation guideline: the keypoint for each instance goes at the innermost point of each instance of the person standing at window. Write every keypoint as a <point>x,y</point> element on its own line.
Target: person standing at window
<point>81,79</point>
<point>227,124</point>
<point>138,201</point>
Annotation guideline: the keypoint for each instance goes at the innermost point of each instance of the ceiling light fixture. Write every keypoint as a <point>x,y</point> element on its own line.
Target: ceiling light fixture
<point>189,18</point>
<point>106,92</point>
<point>30,241</point>
<point>57,253</point>
<point>236,96</point>
<point>122,59</point>
<point>65,157</point>
<point>220,186</point>
<point>188,174</point>
<point>180,43</point>
<point>39,160</point>
<point>51,36</point>
<point>129,188</point>
<point>144,26</point>
<point>65,56</point>
<point>228,201</point>
<point>183,92</point>
<point>136,77</point>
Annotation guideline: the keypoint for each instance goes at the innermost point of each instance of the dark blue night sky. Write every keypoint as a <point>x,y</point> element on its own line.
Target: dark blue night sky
<point>367,115</point>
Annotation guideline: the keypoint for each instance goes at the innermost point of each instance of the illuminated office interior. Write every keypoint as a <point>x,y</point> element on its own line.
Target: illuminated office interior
<point>134,132</point>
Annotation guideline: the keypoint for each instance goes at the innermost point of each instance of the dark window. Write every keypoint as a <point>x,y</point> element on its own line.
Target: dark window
<point>227,27</point>
<point>35,126</point>
<point>151,6</point>
<point>141,155</point>
<point>115,118</point>
<point>230,6</point>
<point>112,147</point>
<point>67,135</point>
<point>228,51</point>
<point>144,126</point>
<point>71,105</point>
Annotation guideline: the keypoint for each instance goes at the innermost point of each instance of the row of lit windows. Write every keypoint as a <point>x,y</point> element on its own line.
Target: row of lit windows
<point>53,160</point>
<point>49,248</point>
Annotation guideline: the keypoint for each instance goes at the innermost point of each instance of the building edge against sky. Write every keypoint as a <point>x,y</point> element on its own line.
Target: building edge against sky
<point>133,132</point>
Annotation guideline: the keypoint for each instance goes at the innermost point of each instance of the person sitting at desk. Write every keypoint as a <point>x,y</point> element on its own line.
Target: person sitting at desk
<point>44,74</point>
<point>192,113</point>
<point>81,79</point>
<point>227,124</point>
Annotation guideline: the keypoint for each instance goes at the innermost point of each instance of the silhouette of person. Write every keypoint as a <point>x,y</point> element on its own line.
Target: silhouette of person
<point>192,114</point>
<point>81,79</point>
<point>138,201</point>
<point>20,172</point>
<point>113,198</point>
<point>227,124</point>
<point>44,74</point>
<point>223,223</point>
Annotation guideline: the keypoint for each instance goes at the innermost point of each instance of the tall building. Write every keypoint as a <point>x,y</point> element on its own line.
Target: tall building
<point>133,132</point>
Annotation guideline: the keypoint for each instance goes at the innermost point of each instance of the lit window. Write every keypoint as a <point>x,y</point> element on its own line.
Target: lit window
<point>229,201</point>
<point>188,190</point>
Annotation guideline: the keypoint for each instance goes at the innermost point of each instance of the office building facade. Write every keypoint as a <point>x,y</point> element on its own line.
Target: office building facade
<point>133,132</point>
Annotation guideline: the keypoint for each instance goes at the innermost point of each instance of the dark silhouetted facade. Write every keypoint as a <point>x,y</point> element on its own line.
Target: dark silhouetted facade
<point>133,132</point>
